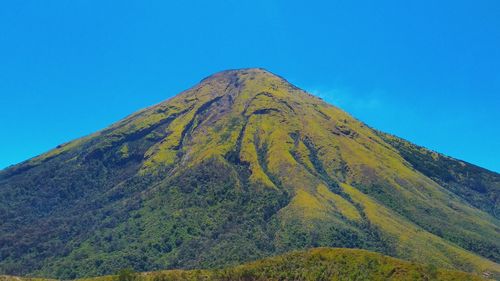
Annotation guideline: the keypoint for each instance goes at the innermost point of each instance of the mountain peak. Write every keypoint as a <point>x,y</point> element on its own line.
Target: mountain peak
<point>247,83</point>
<point>253,71</point>
<point>244,74</point>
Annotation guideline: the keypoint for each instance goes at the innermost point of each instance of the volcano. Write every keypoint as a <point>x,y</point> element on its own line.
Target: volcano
<point>242,166</point>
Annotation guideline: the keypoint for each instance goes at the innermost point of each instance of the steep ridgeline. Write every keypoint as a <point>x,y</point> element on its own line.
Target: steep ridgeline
<point>242,166</point>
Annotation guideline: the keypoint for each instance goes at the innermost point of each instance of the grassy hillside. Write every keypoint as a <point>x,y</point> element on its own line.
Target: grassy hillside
<point>314,265</point>
<point>240,167</point>
<point>320,264</point>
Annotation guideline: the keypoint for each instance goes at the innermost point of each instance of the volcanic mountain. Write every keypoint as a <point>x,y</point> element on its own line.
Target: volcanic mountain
<point>242,166</point>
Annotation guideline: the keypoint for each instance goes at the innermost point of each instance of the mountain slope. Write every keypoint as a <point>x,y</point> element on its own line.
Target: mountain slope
<point>242,166</point>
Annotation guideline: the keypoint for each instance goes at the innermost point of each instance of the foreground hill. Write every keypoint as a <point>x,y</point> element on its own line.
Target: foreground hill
<point>242,166</point>
<point>314,265</point>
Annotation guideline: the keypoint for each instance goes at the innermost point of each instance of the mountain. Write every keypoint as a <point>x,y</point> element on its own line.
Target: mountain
<point>242,166</point>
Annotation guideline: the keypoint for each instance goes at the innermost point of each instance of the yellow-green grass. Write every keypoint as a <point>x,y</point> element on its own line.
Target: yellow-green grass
<point>312,265</point>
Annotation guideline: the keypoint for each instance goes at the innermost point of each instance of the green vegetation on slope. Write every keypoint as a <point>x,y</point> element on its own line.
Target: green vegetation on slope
<point>313,265</point>
<point>474,185</point>
<point>477,186</point>
<point>320,264</point>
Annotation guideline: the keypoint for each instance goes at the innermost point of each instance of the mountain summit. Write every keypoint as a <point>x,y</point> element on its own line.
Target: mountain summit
<point>242,166</point>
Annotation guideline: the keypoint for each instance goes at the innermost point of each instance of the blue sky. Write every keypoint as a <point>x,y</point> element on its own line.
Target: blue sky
<point>428,71</point>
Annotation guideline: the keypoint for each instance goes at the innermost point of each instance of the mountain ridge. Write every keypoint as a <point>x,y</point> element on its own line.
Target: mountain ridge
<point>241,166</point>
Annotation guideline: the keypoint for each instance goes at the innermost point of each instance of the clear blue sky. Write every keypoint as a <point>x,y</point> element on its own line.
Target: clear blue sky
<point>428,71</point>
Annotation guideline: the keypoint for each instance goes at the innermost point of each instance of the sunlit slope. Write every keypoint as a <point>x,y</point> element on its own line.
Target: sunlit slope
<point>313,265</point>
<point>476,185</point>
<point>242,166</point>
